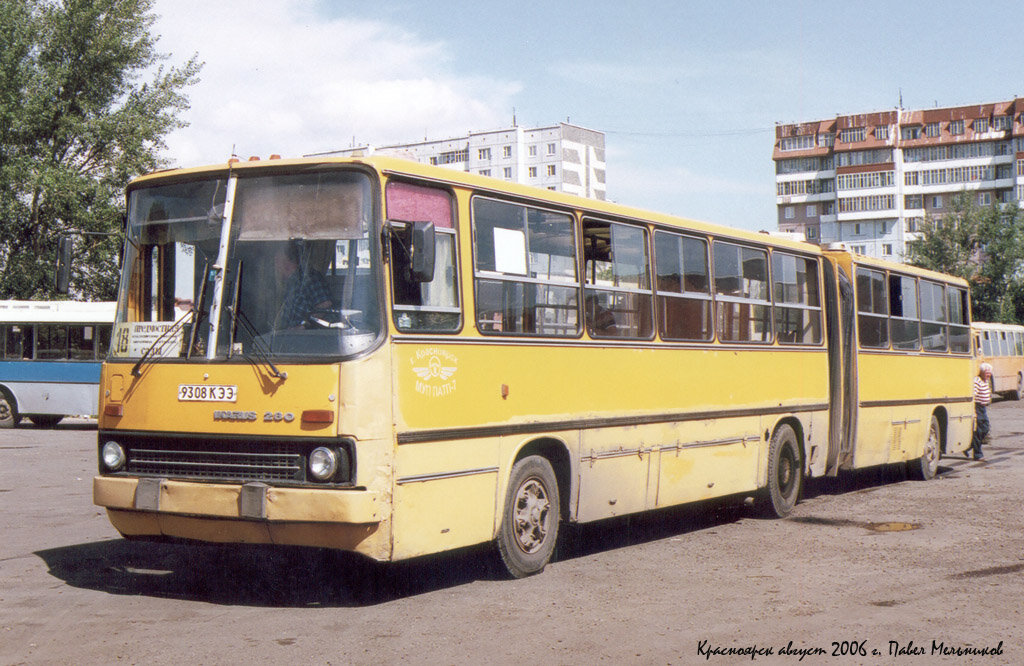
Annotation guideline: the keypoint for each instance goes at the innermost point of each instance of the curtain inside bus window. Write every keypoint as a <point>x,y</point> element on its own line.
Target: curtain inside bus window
<point>904,326</point>
<point>683,287</point>
<point>326,205</point>
<point>423,306</point>
<point>526,281</point>
<point>933,316</point>
<point>872,309</point>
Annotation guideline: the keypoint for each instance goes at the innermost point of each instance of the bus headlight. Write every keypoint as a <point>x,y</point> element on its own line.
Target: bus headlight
<point>323,463</point>
<point>113,456</point>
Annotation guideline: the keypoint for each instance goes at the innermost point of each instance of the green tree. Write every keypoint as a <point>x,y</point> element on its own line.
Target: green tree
<point>982,244</point>
<point>77,121</point>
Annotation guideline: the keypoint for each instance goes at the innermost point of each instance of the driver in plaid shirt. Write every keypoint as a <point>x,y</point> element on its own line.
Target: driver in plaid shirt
<point>304,292</point>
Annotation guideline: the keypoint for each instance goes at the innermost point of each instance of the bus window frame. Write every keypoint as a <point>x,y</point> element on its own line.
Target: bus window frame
<point>943,325</point>
<point>454,234</point>
<point>916,319</point>
<point>590,289</point>
<point>721,299</point>
<point>778,306</point>
<point>872,314</point>
<point>705,298</point>
<point>479,275</point>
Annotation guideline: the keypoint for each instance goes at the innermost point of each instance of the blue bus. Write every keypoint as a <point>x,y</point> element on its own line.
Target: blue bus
<point>50,357</point>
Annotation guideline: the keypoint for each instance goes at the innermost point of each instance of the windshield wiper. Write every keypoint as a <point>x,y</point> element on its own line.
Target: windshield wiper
<point>198,318</point>
<point>259,351</point>
<point>168,334</point>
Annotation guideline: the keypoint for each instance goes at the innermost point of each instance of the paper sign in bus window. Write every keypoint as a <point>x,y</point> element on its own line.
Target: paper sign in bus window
<point>510,251</point>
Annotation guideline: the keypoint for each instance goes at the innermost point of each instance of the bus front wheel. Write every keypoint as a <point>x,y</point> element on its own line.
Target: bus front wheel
<point>9,416</point>
<point>785,473</point>
<point>530,519</point>
<point>927,466</point>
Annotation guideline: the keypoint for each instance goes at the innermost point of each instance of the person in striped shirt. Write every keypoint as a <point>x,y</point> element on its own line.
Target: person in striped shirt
<point>982,398</point>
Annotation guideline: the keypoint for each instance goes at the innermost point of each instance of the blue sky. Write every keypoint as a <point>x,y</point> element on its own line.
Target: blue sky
<point>687,93</point>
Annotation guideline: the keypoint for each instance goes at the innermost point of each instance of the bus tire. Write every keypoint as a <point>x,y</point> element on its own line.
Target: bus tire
<point>927,466</point>
<point>9,416</point>
<point>45,420</point>
<point>530,518</point>
<point>785,473</point>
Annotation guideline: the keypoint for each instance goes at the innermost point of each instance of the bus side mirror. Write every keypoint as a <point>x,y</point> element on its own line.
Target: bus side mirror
<point>65,246</point>
<point>421,251</point>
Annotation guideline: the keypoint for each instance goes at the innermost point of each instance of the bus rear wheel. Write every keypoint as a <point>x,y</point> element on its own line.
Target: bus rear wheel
<point>530,518</point>
<point>927,466</point>
<point>9,416</point>
<point>785,473</point>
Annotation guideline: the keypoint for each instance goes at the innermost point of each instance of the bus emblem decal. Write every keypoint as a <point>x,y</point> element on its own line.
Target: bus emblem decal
<point>226,415</point>
<point>434,369</point>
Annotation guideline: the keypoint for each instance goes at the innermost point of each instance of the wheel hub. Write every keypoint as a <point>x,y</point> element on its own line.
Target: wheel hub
<point>531,516</point>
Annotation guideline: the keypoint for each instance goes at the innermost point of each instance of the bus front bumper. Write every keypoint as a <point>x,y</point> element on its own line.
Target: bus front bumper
<point>249,513</point>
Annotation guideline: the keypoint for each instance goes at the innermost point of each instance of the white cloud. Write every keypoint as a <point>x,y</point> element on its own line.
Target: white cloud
<point>280,79</point>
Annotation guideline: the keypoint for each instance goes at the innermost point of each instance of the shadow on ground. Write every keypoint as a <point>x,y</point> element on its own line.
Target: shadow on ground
<point>282,576</point>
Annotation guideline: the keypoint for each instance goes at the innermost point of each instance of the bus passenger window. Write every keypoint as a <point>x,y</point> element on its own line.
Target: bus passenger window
<point>18,345</point>
<point>741,293</point>
<point>933,316</point>
<point>960,326</point>
<point>797,306</point>
<point>81,342</point>
<point>904,326</point>
<point>526,281</point>
<point>618,283</point>
<point>684,287</point>
<point>52,341</point>
<point>872,308</point>
<point>423,306</point>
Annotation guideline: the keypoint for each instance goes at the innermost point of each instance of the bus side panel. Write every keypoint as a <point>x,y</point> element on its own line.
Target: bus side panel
<point>445,494</point>
<point>710,458</point>
<point>58,399</point>
<point>53,387</point>
<point>899,394</point>
<point>627,403</point>
<point>616,471</point>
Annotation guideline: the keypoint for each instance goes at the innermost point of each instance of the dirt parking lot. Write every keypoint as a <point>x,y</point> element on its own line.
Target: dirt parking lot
<point>871,568</point>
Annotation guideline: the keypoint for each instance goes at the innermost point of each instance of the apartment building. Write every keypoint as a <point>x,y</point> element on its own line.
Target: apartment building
<point>868,180</point>
<point>563,157</point>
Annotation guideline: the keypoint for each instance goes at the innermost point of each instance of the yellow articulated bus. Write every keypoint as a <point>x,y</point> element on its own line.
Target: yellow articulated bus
<point>395,359</point>
<point>1002,345</point>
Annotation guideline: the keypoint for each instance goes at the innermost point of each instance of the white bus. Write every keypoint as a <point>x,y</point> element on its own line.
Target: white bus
<point>50,357</point>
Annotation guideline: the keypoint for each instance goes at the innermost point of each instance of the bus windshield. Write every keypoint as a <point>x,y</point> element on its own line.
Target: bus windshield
<point>271,265</point>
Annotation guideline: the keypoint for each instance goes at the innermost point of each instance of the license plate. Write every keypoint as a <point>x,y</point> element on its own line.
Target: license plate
<point>206,393</point>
